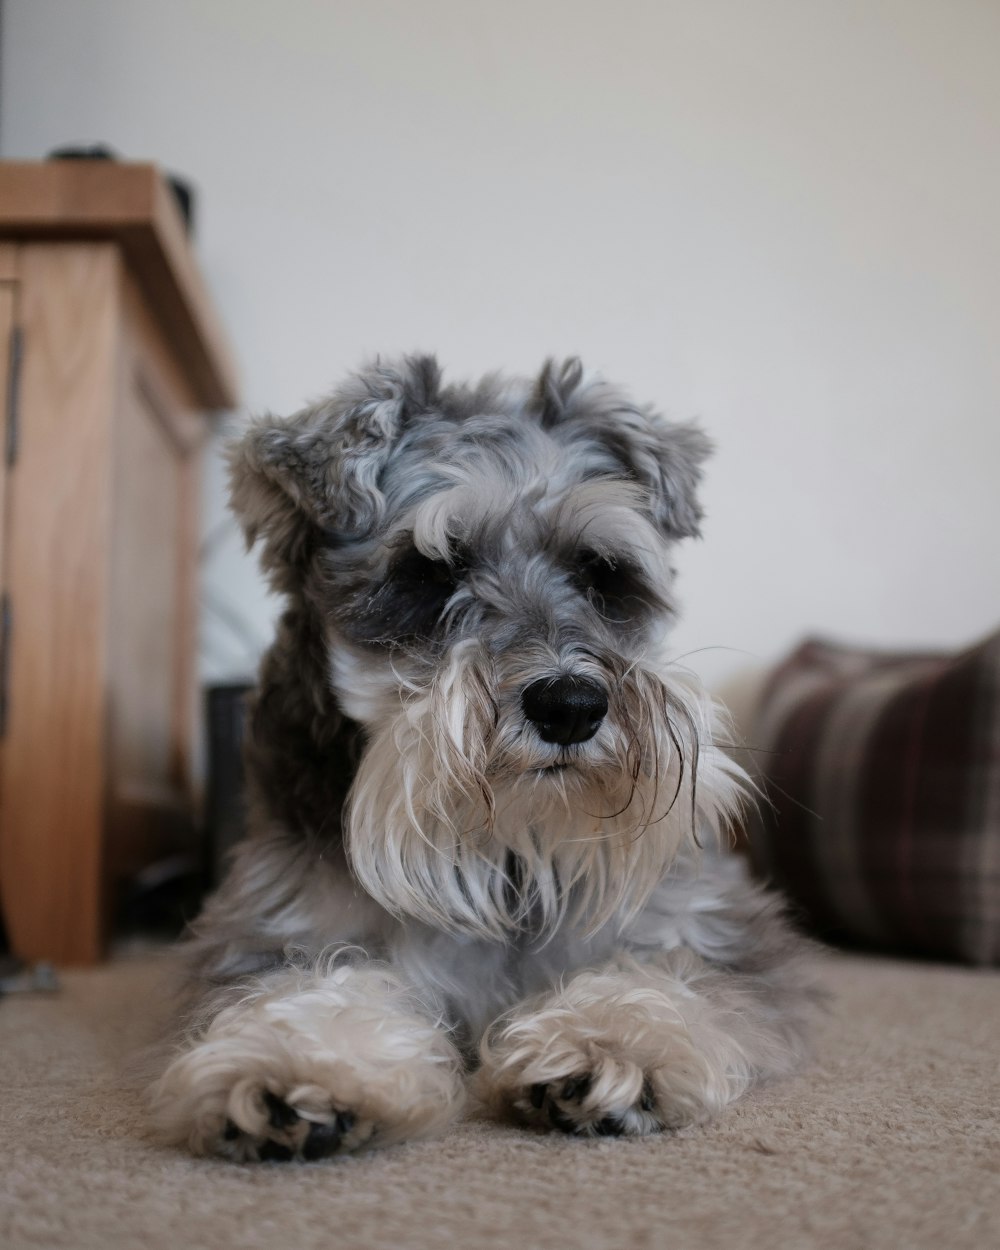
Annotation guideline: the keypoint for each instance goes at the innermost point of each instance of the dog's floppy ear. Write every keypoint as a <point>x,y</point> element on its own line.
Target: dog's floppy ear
<point>663,456</point>
<point>317,473</point>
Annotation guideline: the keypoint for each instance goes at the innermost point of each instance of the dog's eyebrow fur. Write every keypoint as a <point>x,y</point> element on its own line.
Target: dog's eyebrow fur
<point>601,515</point>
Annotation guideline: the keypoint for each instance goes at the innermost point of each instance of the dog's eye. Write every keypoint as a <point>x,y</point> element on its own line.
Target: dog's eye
<point>612,585</point>
<point>409,604</point>
<point>436,571</point>
<point>597,573</point>
<point>421,572</point>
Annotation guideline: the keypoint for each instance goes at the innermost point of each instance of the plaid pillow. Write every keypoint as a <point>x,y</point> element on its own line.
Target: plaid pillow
<point>884,775</point>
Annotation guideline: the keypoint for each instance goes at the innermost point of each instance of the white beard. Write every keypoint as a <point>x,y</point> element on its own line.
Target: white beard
<point>449,795</point>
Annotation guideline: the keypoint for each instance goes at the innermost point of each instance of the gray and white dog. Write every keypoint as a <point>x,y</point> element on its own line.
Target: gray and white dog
<point>479,789</point>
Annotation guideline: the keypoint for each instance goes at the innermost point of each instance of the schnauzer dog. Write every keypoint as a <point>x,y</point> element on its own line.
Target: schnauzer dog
<point>481,795</point>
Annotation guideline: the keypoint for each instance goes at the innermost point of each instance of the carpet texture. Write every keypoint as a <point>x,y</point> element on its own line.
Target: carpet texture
<point>890,1139</point>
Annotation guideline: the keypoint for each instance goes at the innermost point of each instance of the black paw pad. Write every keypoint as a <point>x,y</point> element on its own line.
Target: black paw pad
<point>322,1140</point>
<point>279,1113</point>
<point>274,1152</point>
<point>576,1088</point>
<point>560,1120</point>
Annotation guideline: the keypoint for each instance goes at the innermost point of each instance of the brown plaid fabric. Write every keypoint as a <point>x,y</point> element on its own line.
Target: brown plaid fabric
<point>884,775</point>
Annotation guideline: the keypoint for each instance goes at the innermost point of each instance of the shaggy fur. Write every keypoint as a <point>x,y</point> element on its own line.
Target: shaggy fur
<point>478,789</point>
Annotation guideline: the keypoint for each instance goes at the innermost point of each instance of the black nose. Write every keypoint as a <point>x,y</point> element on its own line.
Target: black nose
<point>565,709</point>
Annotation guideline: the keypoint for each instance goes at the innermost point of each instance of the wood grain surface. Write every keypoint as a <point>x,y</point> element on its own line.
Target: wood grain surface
<point>53,766</point>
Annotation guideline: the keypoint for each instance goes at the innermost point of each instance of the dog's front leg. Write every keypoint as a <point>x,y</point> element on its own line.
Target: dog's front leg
<point>305,1064</point>
<point>633,1048</point>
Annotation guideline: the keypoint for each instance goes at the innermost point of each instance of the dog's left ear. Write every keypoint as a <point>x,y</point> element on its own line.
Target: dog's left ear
<point>318,472</point>
<point>665,457</point>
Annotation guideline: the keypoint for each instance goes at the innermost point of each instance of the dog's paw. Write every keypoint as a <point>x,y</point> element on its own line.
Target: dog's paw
<point>575,1105</point>
<point>608,1095</point>
<point>308,1072</point>
<point>607,1055</point>
<point>302,1125</point>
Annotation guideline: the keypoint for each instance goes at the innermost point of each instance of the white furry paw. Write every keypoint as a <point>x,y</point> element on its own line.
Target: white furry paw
<point>312,1066</point>
<point>608,1055</point>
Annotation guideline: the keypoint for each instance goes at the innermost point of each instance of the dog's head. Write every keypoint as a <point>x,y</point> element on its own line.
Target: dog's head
<point>491,569</point>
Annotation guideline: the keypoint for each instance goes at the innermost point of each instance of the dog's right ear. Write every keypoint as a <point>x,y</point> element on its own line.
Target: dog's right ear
<point>317,472</point>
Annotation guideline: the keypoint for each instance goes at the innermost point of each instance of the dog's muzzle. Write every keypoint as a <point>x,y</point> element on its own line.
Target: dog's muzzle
<point>565,710</point>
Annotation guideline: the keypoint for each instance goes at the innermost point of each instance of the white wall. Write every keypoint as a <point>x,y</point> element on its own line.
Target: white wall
<point>777,215</point>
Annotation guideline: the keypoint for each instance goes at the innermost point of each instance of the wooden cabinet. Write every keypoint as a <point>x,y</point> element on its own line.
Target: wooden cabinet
<point>111,355</point>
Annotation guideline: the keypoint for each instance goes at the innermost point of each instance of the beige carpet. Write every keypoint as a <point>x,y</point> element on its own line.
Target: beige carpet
<point>891,1139</point>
